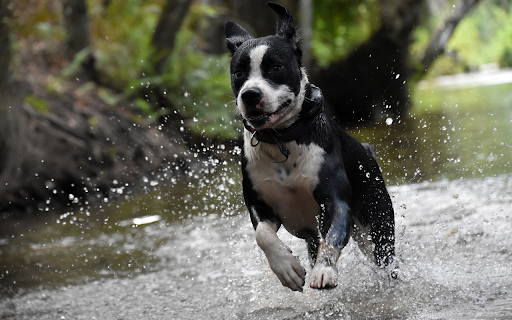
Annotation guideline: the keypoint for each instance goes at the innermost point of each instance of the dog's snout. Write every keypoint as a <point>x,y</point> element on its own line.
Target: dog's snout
<point>252,97</point>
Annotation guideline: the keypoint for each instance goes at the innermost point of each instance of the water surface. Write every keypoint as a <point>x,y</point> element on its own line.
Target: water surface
<point>185,249</point>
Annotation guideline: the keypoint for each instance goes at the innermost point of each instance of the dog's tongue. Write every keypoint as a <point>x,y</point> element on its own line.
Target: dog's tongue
<point>271,117</point>
<point>260,117</point>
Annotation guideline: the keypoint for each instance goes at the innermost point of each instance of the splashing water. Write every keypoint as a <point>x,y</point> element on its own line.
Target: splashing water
<point>185,249</point>
<point>453,245</point>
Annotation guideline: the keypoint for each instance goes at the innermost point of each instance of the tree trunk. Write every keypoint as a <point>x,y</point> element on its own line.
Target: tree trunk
<point>168,26</point>
<point>371,83</point>
<point>256,16</point>
<point>76,23</point>
<point>306,28</point>
<point>258,25</point>
<point>5,44</point>
<point>5,60</point>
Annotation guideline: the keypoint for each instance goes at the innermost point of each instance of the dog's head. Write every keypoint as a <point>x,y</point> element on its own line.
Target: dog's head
<point>267,78</point>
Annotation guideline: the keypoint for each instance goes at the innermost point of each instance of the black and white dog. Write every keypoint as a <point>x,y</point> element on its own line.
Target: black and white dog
<point>300,170</point>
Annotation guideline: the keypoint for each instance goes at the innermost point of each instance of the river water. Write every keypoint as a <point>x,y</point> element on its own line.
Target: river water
<point>185,248</point>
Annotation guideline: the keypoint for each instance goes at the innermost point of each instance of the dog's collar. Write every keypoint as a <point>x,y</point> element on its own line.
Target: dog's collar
<point>312,107</point>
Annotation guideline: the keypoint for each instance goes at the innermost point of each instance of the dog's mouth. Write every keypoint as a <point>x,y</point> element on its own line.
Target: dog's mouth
<point>260,116</point>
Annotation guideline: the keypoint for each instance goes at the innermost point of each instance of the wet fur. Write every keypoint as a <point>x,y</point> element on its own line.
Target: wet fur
<point>329,187</point>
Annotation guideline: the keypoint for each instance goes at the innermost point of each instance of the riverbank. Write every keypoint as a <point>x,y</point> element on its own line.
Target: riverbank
<point>474,79</point>
<point>68,141</point>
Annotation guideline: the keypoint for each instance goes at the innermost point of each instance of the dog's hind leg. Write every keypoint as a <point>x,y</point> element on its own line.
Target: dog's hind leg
<point>379,229</point>
<point>375,221</point>
<point>383,237</point>
<point>382,223</point>
<point>377,238</point>
<point>361,235</point>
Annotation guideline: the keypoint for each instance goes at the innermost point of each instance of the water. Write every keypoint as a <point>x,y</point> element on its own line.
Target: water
<point>185,249</point>
<point>450,134</point>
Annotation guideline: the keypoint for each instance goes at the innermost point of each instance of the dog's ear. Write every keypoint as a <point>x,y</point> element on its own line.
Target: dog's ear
<point>286,27</point>
<point>235,35</point>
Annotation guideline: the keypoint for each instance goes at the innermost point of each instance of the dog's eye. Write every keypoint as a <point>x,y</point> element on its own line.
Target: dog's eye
<point>275,68</point>
<point>238,74</point>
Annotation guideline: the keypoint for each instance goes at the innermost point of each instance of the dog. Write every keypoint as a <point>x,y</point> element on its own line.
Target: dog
<point>300,169</point>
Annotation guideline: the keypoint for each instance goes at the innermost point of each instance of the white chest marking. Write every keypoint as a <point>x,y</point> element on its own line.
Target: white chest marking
<point>287,187</point>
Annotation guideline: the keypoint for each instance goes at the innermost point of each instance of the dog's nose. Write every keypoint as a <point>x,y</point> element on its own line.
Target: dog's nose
<point>252,97</point>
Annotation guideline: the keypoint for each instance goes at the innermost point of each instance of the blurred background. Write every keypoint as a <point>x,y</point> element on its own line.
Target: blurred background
<point>102,91</point>
<point>118,114</point>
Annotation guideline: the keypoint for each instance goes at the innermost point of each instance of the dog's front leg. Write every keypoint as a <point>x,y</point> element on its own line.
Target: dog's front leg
<point>324,274</point>
<point>279,256</point>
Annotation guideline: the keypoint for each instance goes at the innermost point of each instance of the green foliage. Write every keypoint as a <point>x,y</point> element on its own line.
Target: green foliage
<point>36,18</point>
<point>482,37</point>
<point>76,64</point>
<point>201,84</point>
<point>50,32</point>
<point>121,36</point>
<point>108,97</point>
<point>197,84</point>
<point>340,26</point>
<point>447,65</point>
<point>206,93</point>
<point>37,103</point>
<point>55,85</point>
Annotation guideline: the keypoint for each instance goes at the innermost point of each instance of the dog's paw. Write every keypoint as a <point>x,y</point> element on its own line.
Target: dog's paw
<point>323,277</point>
<point>289,271</point>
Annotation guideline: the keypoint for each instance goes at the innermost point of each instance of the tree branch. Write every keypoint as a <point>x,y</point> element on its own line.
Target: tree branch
<point>438,42</point>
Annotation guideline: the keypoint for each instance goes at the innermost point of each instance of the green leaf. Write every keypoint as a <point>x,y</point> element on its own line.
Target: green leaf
<point>108,97</point>
<point>76,64</point>
<point>37,103</point>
